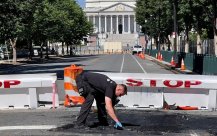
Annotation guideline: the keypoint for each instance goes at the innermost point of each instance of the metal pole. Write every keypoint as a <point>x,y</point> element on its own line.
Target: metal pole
<point>175,24</point>
<point>158,48</point>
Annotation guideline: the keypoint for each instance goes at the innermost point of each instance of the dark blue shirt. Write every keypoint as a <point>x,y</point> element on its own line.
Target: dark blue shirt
<point>102,83</point>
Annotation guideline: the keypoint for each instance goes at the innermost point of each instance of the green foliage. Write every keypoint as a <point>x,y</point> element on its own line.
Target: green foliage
<point>204,34</point>
<point>192,36</point>
<point>11,24</point>
<point>156,16</point>
<point>41,20</point>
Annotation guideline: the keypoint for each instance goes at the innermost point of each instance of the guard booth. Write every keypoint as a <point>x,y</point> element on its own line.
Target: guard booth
<point>153,90</point>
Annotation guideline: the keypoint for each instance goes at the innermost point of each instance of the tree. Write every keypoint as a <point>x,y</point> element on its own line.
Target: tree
<point>155,17</point>
<point>200,15</point>
<point>60,21</point>
<point>11,25</point>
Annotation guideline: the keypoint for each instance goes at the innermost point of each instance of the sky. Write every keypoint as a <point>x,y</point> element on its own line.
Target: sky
<point>81,2</point>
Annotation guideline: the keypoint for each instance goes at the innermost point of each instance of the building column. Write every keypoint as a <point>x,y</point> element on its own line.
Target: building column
<point>122,24</point>
<point>111,31</point>
<point>105,24</point>
<point>94,20</point>
<point>88,18</point>
<point>99,23</point>
<point>134,24</point>
<point>116,24</point>
<point>128,23</point>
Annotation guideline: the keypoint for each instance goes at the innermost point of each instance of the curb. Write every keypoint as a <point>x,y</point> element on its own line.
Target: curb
<point>167,66</point>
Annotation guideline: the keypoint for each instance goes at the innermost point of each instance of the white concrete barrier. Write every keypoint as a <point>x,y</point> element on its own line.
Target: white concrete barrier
<point>28,90</point>
<point>150,90</point>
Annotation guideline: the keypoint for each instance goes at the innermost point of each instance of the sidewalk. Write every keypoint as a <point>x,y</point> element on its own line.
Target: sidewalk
<point>168,66</point>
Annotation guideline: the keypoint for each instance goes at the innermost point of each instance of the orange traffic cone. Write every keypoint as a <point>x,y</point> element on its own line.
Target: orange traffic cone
<point>161,57</point>
<point>172,62</point>
<point>142,56</point>
<point>183,65</point>
<point>158,57</point>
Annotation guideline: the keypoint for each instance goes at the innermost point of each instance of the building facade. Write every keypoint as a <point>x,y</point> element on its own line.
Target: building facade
<point>112,16</point>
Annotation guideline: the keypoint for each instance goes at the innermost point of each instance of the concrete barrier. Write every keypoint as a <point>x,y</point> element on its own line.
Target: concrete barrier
<point>28,91</point>
<point>152,90</point>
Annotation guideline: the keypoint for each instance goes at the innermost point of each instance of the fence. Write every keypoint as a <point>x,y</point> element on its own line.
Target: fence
<point>206,46</point>
<point>198,63</point>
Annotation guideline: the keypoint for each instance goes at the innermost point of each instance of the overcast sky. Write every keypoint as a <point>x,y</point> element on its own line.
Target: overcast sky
<point>81,2</point>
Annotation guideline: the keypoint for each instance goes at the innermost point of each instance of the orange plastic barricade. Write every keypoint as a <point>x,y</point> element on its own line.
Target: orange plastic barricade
<point>186,108</point>
<point>72,96</point>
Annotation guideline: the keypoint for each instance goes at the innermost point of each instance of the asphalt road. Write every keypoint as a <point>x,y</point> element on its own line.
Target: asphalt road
<point>117,63</point>
<point>137,122</point>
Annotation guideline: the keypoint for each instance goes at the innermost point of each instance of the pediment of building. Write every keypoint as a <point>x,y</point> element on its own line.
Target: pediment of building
<point>118,7</point>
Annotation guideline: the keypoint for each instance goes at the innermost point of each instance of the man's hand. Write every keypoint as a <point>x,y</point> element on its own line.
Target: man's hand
<point>110,109</point>
<point>118,126</point>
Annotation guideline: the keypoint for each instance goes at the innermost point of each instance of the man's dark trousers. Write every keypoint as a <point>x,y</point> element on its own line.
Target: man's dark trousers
<point>86,106</point>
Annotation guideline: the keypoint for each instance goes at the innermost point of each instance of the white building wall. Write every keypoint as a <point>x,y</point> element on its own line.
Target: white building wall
<point>106,3</point>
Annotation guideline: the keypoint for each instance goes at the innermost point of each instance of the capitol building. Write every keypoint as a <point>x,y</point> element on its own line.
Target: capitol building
<point>113,20</point>
<point>112,16</point>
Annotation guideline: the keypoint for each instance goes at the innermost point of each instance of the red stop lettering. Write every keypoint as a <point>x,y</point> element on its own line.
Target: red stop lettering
<point>133,82</point>
<point>189,83</point>
<point>168,84</point>
<point>8,83</point>
<point>152,83</point>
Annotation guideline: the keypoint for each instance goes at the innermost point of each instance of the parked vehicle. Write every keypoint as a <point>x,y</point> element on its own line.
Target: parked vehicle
<point>37,50</point>
<point>136,49</point>
<point>1,54</point>
<point>5,52</point>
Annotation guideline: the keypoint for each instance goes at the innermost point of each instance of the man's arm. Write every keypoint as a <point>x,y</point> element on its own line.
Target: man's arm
<point>110,109</point>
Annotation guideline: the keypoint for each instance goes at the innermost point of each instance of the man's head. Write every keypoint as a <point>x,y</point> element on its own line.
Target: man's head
<point>120,90</point>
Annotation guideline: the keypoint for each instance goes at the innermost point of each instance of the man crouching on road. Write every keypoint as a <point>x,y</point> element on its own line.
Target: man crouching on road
<point>105,91</point>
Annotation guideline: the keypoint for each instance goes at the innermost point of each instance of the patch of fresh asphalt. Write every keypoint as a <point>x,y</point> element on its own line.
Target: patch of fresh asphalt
<point>135,122</point>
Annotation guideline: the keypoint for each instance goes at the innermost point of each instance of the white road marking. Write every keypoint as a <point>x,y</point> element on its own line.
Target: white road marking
<point>27,127</point>
<point>139,64</point>
<point>122,65</point>
<point>193,133</point>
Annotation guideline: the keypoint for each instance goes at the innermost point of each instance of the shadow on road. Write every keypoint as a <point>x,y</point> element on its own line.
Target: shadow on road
<point>51,65</point>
